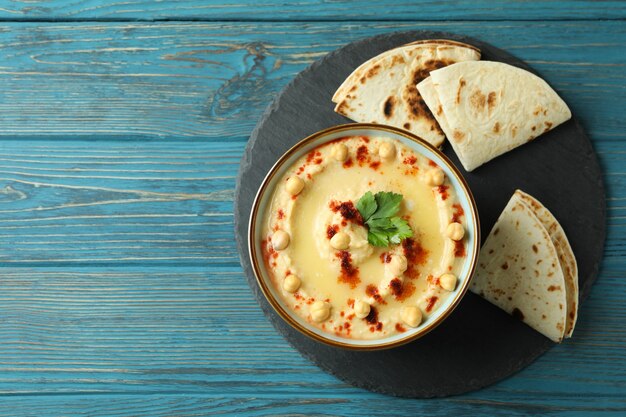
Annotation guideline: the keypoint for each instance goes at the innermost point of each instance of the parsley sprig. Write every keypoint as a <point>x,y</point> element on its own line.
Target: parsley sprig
<point>379,214</point>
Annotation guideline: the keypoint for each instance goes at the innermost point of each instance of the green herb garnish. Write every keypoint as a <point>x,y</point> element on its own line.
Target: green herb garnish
<point>379,214</point>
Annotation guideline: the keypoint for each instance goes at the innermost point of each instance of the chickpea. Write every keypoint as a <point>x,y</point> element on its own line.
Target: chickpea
<point>361,309</point>
<point>387,150</point>
<point>435,177</point>
<point>398,265</point>
<point>340,241</point>
<point>320,311</point>
<point>412,316</point>
<point>280,240</point>
<point>447,282</point>
<point>291,283</point>
<point>455,231</point>
<point>339,152</point>
<point>294,185</point>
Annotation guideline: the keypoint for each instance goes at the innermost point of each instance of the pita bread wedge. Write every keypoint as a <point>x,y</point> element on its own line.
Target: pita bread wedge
<point>565,254</point>
<point>362,69</point>
<point>430,97</point>
<point>383,90</point>
<point>520,272</point>
<point>491,108</point>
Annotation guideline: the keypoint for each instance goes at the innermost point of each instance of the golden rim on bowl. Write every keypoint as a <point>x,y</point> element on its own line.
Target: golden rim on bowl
<point>287,316</point>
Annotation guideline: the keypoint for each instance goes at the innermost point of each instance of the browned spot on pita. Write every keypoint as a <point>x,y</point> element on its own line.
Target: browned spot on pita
<point>535,249</point>
<point>538,110</point>
<point>517,313</point>
<point>342,108</point>
<point>478,100</point>
<point>439,110</point>
<point>559,327</point>
<point>496,127</point>
<point>505,266</point>
<point>417,107</point>
<point>353,88</point>
<point>554,288</point>
<point>407,125</point>
<point>498,291</point>
<point>533,128</point>
<point>458,92</point>
<point>495,232</point>
<point>548,126</point>
<point>560,306</point>
<point>513,130</point>
<point>397,59</point>
<point>543,316</point>
<point>388,107</point>
<point>372,71</point>
<point>458,135</point>
<point>491,100</point>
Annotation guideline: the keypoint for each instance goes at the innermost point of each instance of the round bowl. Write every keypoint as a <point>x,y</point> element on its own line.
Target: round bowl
<point>418,145</point>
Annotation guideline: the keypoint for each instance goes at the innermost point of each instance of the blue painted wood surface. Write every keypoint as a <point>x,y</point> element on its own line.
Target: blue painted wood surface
<point>120,287</point>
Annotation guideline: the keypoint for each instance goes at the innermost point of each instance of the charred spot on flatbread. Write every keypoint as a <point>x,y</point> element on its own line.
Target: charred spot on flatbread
<point>389,106</point>
<point>370,73</point>
<point>517,313</point>
<point>458,92</point>
<point>477,101</point>
<point>342,108</point>
<point>407,126</point>
<point>491,101</point>
<point>548,127</point>
<point>417,106</point>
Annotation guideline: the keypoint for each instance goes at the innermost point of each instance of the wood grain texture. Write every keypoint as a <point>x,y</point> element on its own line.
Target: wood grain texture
<point>166,333</point>
<point>200,80</point>
<point>311,10</point>
<point>117,202</point>
<point>120,290</point>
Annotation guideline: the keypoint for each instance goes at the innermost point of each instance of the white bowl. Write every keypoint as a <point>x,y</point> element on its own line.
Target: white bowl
<point>420,146</point>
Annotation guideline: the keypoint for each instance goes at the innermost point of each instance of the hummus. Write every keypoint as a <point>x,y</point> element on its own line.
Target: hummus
<point>315,242</point>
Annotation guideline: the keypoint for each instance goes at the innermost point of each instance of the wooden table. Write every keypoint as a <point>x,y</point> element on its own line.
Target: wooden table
<point>122,125</point>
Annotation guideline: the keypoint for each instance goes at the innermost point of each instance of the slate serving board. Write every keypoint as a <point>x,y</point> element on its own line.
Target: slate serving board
<point>478,344</point>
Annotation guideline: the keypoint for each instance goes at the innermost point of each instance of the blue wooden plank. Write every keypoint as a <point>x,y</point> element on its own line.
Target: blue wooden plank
<point>120,292</point>
<point>312,10</point>
<point>158,332</point>
<point>213,80</point>
<point>72,202</point>
<point>118,203</point>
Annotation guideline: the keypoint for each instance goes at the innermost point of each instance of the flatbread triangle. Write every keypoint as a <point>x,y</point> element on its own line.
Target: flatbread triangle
<point>524,272</point>
<point>383,90</point>
<point>488,108</point>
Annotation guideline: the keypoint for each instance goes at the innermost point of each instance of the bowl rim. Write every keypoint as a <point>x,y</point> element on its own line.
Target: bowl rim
<point>254,258</point>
